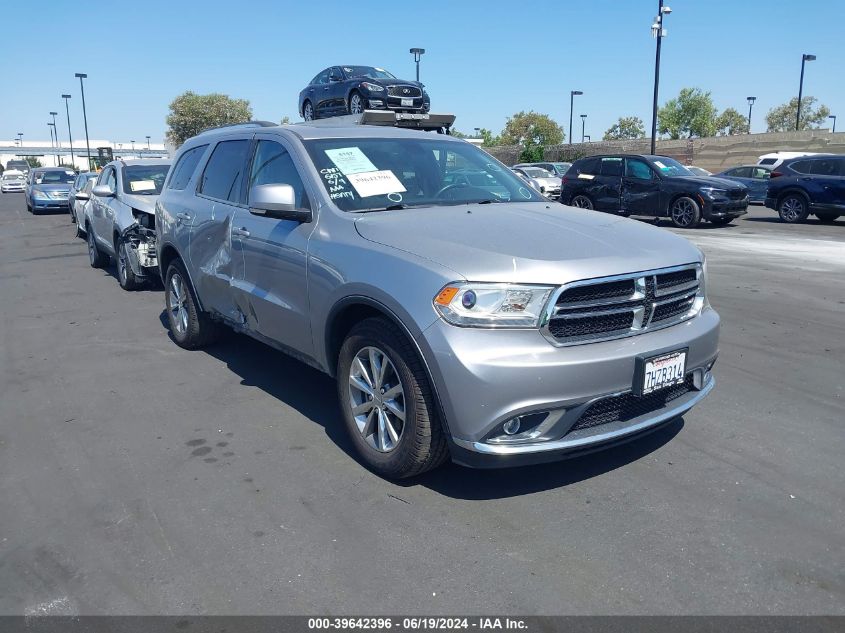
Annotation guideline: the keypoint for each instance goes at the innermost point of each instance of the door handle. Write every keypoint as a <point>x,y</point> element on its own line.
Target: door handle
<point>242,232</point>
<point>183,216</point>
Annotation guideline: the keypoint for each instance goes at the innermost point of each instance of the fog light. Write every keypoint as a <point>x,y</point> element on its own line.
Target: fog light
<point>511,427</point>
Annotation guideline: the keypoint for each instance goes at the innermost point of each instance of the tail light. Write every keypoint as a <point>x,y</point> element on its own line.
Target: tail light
<point>775,174</point>
<point>563,181</point>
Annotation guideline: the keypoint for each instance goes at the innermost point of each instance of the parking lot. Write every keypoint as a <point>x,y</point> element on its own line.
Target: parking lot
<point>137,477</point>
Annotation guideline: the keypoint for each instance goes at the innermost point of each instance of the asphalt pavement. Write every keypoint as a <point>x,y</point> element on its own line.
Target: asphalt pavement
<point>140,478</point>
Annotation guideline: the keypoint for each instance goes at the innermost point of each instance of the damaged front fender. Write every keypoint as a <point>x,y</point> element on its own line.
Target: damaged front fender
<point>140,239</point>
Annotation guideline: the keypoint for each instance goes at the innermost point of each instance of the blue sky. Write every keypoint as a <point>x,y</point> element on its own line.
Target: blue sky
<point>484,60</point>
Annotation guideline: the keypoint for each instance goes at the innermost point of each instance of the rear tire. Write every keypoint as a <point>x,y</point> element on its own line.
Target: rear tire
<point>190,328</point>
<point>377,360</point>
<point>125,275</point>
<point>793,208</point>
<point>685,213</point>
<point>356,103</point>
<point>307,111</point>
<point>827,218</point>
<point>582,202</point>
<point>96,257</point>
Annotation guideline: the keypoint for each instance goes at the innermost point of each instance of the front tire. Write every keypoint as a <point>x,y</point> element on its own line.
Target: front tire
<point>387,402</point>
<point>685,213</point>
<point>582,202</point>
<point>793,208</point>
<point>190,328</point>
<point>125,275</point>
<point>307,111</point>
<point>356,103</point>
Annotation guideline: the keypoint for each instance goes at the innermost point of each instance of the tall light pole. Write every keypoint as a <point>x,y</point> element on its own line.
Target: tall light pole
<point>85,117</point>
<point>804,58</point>
<point>20,138</point>
<point>572,94</point>
<point>52,127</point>
<point>133,146</point>
<point>833,116</point>
<point>69,135</point>
<point>658,32</point>
<point>417,53</point>
<point>751,101</point>
<point>148,142</point>
<point>583,120</point>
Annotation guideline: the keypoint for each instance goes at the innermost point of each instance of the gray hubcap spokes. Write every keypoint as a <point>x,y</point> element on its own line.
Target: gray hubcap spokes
<point>355,105</point>
<point>792,209</point>
<point>683,212</point>
<point>176,298</point>
<point>581,202</point>
<point>309,112</point>
<point>92,247</point>
<point>121,261</point>
<point>377,399</point>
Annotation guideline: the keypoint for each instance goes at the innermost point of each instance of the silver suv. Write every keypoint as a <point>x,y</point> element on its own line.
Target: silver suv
<point>477,321</point>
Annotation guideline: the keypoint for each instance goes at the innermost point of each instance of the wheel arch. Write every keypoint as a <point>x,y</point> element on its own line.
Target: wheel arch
<point>167,256</point>
<point>792,189</point>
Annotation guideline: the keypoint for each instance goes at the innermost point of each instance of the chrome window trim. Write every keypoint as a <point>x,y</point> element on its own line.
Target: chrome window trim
<point>551,311</point>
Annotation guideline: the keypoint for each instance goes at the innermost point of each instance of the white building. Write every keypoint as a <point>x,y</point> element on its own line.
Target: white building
<point>52,156</point>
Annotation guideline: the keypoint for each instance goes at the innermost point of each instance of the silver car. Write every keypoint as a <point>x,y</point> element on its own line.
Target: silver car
<point>543,181</point>
<point>13,182</point>
<point>476,321</point>
<point>74,204</point>
<point>120,219</point>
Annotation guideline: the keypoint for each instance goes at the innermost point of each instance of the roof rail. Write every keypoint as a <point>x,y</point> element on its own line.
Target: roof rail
<point>244,124</point>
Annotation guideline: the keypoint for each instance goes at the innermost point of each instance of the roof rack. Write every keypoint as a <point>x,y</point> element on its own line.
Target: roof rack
<point>244,124</point>
<point>417,121</point>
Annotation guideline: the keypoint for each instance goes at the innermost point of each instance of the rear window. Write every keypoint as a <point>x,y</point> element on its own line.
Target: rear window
<point>611,166</point>
<point>185,168</point>
<point>825,167</point>
<point>801,166</point>
<point>224,172</point>
<point>587,166</point>
<point>768,161</point>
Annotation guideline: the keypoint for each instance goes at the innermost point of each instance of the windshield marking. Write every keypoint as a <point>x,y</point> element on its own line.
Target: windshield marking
<point>375,183</point>
<point>350,160</point>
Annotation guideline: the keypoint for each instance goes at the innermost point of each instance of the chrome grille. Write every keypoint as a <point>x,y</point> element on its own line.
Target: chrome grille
<point>405,92</point>
<point>614,307</point>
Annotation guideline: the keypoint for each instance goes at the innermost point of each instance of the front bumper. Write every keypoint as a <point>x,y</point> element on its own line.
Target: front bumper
<point>11,188</point>
<point>723,208</point>
<point>380,101</point>
<point>486,377</point>
<point>53,203</point>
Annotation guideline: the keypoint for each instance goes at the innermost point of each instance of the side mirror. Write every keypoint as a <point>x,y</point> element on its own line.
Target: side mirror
<point>82,196</point>
<point>277,201</point>
<point>102,191</point>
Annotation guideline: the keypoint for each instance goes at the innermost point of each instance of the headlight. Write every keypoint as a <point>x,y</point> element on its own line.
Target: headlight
<point>701,297</point>
<point>40,195</point>
<point>492,305</point>
<point>712,192</point>
<point>372,87</point>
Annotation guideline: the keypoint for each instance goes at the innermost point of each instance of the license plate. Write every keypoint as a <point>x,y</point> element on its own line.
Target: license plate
<point>659,372</point>
<point>407,102</point>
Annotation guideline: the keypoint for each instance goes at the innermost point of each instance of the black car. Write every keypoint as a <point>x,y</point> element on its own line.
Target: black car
<point>808,184</point>
<point>657,186</point>
<point>352,89</point>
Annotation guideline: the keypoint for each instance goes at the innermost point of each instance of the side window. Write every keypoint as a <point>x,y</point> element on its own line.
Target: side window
<point>841,162</point>
<point>322,78</point>
<point>637,169</point>
<point>758,173</point>
<point>272,165</point>
<point>589,166</point>
<point>768,161</point>
<point>223,174</point>
<point>611,166</point>
<point>185,168</point>
<point>801,166</point>
<point>742,172</point>
<point>824,167</point>
<point>107,178</point>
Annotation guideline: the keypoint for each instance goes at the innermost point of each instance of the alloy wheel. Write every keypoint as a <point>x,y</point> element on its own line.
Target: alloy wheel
<point>582,202</point>
<point>121,262</point>
<point>792,209</point>
<point>356,105</point>
<point>377,399</point>
<point>308,112</point>
<point>92,247</point>
<point>176,303</point>
<point>683,212</point>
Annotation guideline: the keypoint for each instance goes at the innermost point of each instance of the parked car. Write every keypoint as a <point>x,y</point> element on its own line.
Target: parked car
<point>543,181</point>
<point>47,188</point>
<point>656,186</point>
<point>82,210</point>
<point>121,220</point>
<point>77,186</point>
<point>12,181</point>
<point>808,184</point>
<point>18,165</point>
<point>352,89</point>
<point>556,169</point>
<point>774,159</point>
<point>698,171</point>
<point>755,177</point>
<point>455,322</point>
<point>476,178</point>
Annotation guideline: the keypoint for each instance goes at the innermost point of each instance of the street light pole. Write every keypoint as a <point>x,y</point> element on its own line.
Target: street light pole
<point>52,128</point>
<point>583,119</point>
<point>69,135</point>
<point>85,117</point>
<point>804,58</point>
<point>572,94</point>
<point>657,32</point>
<point>20,138</point>
<point>417,53</point>
<point>133,146</point>
<point>833,116</point>
<point>751,101</point>
<point>148,142</point>
<point>56,132</point>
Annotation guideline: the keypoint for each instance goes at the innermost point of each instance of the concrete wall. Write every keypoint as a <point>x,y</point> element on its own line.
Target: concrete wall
<point>714,154</point>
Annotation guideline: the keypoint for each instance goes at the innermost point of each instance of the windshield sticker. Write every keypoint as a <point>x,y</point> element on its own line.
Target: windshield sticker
<point>347,69</point>
<point>336,184</point>
<point>350,160</point>
<point>376,183</point>
<point>381,70</point>
<point>142,185</point>
<point>661,165</point>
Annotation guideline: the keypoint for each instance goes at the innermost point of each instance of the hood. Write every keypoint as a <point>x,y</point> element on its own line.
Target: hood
<point>147,204</point>
<point>712,181</point>
<point>527,242</point>
<point>390,82</point>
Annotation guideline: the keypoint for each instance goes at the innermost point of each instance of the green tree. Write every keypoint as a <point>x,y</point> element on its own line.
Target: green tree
<point>457,133</point>
<point>625,128</point>
<point>731,122</point>
<point>531,154</point>
<point>285,120</point>
<point>33,162</point>
<point>782,118</point>
<point>490,139</point>
<point>191,113</point>
<point>531,128</point>
<point>691,113</point>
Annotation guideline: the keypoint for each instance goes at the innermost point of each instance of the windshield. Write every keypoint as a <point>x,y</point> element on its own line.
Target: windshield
<point>536,172</point>
<point>13,177</point>
<point>144,180</point>
<point>55,177</point>
<point>367,71</point>
<point>562,168</point>
<point>367,174</point>
<point>670,167</point>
